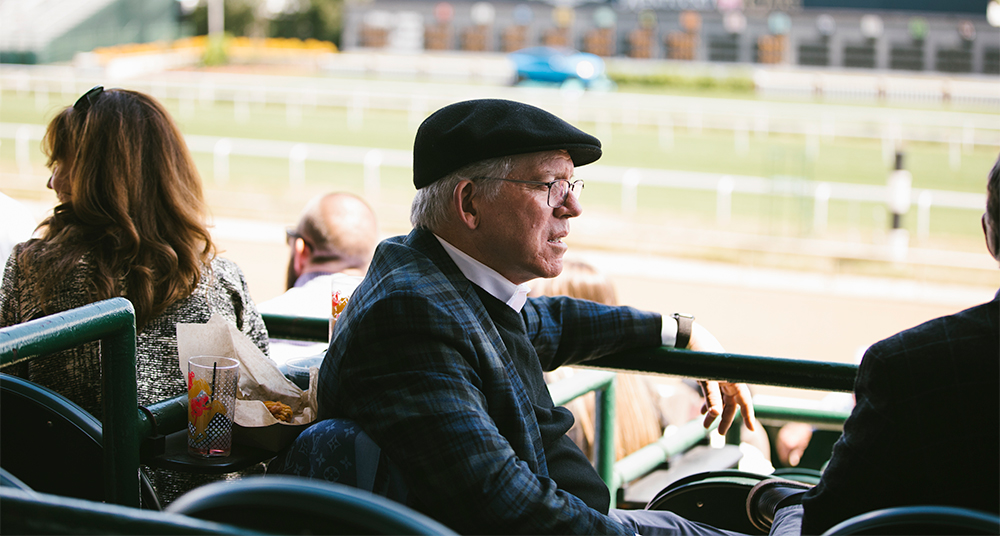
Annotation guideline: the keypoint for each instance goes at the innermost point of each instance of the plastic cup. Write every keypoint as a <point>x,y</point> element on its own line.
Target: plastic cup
<point>298,369</point>
<point>212,382</point>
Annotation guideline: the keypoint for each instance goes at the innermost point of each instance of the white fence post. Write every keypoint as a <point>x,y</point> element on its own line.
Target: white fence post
<point>21,152</point>
<point>297,165</point>
<point>356,111</point>
<point>41,98</point>
<point>924,201</point>
<point>741,138</point>
<point>241,108</point>
<point>666,133</point>
<point>821,204</point>
<point>954,153</point>
<point>373,164</point>
<point>630,193</point>
<point>812,143</point>
<point>724,201</point>
<point>220,162</point>
<point>293,110</point>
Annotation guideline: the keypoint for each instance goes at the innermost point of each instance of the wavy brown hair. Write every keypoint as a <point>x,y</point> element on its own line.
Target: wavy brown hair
<point>135,206</point>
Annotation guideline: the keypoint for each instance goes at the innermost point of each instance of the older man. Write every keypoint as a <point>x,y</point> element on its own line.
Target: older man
<point>439,355</point>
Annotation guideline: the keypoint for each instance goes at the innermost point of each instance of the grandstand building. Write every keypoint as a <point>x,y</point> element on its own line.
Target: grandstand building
<point>949,36</point>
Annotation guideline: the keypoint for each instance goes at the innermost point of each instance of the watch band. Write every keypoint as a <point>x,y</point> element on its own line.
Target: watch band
<point>684,324</point>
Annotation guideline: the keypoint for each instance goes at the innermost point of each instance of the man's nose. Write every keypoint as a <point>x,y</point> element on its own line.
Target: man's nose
<point>571,208</point>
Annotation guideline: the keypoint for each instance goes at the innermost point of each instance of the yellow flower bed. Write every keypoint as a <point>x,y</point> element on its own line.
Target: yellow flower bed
<point>237,46</point>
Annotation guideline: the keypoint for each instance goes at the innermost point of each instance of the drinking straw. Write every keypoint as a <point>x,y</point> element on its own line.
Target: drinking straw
<point>214,366</point>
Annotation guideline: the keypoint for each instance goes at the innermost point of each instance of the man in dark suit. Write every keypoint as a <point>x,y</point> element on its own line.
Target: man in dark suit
<point>439,354</point>
<point>926,426</point>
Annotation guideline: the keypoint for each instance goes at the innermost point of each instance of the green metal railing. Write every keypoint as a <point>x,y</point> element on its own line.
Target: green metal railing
<point>113,323</point>
<point>126,424</point>
<point>781,372</point>
<point>602,383</point>
<point>752,369</point>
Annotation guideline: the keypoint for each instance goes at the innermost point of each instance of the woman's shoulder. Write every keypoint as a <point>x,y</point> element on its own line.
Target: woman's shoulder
<point>222,265</point>
<point>221,268</point>
<point>223,275</point>
<point>31,248</point>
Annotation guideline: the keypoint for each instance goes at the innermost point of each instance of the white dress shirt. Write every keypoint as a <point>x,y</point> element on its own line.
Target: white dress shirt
<point>516,295</point>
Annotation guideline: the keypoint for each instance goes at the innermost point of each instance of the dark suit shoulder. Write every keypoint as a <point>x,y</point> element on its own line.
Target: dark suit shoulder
<point>975,327</point>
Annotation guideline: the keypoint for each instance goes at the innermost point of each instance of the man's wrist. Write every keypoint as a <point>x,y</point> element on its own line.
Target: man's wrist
<point>685,323</point>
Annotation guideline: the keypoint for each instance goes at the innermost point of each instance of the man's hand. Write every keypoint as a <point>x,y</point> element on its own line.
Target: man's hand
<point>725,397</point>
<point>793,439</point>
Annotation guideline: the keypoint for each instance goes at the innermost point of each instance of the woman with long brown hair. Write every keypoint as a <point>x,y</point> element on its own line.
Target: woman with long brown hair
<point>131,221</point>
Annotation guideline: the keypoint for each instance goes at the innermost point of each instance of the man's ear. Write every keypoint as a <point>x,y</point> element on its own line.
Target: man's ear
<point>465,203</point>
<point>990,234</point>
<point>300,255</point>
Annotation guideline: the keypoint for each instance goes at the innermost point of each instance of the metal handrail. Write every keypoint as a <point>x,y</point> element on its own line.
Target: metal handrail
<point>113,323</point>
<point>602,383</point>
<point>757,370</point>
<point>125,424</point>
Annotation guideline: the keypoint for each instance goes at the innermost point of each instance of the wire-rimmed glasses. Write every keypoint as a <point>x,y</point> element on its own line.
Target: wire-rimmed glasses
<point>292,234</point>
<point>559,189</point>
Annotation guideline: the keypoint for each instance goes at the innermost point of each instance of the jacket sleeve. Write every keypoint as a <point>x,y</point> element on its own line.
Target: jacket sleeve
<point>566,331</point>
<point>412,373</point>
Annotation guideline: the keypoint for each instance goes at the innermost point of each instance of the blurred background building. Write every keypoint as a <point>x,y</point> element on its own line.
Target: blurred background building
<point>44,31</point>
<point>949,36</point>
<point>914,35</point>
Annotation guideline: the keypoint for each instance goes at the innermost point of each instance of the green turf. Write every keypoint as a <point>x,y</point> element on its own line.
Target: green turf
<point>713,151</point>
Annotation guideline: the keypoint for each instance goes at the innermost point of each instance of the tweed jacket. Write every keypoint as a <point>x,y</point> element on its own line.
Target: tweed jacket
<point>926,425</point>
<point>418,363</point>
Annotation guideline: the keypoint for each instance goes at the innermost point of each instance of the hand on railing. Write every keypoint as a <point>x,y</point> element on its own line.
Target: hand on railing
<point>721,398</point>
<point>724,398</point>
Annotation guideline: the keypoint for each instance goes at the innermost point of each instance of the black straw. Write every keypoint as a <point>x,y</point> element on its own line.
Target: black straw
<point>214,365</point>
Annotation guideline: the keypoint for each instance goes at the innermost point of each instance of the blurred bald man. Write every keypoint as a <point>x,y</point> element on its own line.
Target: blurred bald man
<point>330,250</point>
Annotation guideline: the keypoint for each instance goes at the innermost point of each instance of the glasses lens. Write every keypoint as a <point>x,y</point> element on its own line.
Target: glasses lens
<point>558,192</point>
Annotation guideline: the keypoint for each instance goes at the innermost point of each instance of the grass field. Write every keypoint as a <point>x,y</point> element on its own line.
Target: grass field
<point>259,187</point>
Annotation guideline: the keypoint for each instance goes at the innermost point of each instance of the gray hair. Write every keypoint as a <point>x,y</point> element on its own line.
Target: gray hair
<point>431,205</point>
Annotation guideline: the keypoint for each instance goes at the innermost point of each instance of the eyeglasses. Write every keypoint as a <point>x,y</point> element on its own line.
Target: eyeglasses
<point>559,189</point>
<point>88,99</point>
<point>292,235</point>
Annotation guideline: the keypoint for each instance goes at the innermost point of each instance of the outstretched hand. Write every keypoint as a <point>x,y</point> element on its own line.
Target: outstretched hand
<point>724,398</point>
<point>721,398</point>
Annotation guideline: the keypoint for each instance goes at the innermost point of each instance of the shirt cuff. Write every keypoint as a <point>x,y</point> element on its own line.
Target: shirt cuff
<point>668,335</point>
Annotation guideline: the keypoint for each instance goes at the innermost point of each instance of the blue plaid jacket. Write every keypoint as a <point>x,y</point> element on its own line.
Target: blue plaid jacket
<point>926,426</point>
<point>418,363</point>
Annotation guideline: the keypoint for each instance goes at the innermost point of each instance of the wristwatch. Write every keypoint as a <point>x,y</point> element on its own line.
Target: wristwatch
<point>684,323</point>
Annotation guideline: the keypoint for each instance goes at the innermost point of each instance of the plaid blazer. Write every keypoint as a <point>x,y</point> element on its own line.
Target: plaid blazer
<point>418,363</point>
<point>926,425</point>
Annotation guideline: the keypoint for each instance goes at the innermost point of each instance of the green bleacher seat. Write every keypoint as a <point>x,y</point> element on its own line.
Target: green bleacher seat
<point>296,505</point>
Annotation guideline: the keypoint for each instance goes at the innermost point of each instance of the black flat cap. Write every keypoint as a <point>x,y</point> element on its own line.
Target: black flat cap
<point>466,132</point>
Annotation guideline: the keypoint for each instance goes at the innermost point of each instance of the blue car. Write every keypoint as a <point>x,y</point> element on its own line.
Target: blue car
<point>557,65</point>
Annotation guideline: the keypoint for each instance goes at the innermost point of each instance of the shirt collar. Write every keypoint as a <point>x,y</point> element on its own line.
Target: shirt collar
<point>309,276</point>
<point>489,279</point>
